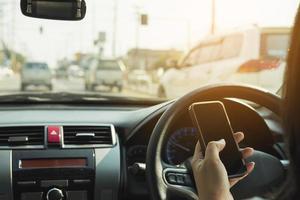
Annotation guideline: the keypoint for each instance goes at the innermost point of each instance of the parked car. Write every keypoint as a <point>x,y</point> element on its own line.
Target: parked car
<point>61,73</point>
<point>139,78</point>
<point>108,72</point>
<point>36,73</point>
<point>75,71</point>
<point>251,55</point>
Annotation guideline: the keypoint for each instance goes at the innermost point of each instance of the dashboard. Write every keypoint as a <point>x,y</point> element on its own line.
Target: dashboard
<point>53,152</point>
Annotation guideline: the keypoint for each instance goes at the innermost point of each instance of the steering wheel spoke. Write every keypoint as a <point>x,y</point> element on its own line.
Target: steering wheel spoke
<point>178,177</point>
<point>179,182</point>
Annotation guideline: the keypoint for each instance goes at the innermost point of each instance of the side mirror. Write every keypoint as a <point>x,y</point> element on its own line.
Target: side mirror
<point>54,9</point>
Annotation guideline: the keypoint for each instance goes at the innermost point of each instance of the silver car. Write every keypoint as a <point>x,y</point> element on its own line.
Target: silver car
<point>104,73</point>
<point>37,74</point>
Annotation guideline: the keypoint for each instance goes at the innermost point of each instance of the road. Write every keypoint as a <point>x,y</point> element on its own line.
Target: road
<point>11,84</point>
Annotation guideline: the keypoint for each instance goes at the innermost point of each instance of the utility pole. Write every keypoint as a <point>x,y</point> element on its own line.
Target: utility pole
<point>1,30</point>
<point>213,17</point>
<point>13,37</point>
<point>188,32</point>
<point>137,30</point>
<point>1,20</point>
<point>115,28</point>
<point>93,20</point>
<point>13,24</point>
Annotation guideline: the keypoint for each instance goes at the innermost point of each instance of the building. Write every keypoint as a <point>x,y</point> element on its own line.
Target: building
<point>148,59</point>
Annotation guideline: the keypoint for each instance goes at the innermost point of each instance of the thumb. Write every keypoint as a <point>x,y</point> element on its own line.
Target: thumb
<point>214,148</point>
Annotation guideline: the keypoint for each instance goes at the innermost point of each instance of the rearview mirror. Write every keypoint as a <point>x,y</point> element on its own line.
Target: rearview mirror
<point>54,9</point>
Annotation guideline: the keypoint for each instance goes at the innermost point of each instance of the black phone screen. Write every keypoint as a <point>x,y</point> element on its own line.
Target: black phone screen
<point>213,124</point>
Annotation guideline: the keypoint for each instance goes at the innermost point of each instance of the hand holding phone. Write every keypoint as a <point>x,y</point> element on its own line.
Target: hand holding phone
<point>212,122</point>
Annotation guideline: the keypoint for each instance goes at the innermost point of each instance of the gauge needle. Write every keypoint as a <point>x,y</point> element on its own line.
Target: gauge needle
<point>180,146</point>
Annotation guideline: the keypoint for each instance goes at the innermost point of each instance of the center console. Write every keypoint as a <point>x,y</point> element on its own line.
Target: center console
<point>68,166</point>
<point>53,174</point>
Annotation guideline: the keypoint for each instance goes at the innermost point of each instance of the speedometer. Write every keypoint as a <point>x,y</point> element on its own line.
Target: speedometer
<point>181,145</point>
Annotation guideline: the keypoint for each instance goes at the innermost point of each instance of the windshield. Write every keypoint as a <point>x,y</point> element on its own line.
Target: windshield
<point>108,64</point>
<point>146,48</point>
<point>275,45</point>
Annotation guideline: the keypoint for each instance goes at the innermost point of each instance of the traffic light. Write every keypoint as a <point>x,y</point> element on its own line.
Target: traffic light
<point>144,19</point>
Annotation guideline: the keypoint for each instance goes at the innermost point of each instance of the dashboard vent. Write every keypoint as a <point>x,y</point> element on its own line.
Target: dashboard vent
<point>21,136</point>
<point>88,135</point>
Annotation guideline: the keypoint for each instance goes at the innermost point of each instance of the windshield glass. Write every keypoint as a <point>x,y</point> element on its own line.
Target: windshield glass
<point>35,66</point>
<point>108,64</point>
<point>275,45</point>
<point>146,48</point>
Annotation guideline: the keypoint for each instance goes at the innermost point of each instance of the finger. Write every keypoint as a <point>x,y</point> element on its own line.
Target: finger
<point>214,147</point>
<point>234,181</point>
<point>250,168</point>
<point>238,136</point>
<point>197,153</point>
<point>247,152</point>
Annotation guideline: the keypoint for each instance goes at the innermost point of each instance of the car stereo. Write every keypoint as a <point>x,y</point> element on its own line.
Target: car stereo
<point>53,174</point>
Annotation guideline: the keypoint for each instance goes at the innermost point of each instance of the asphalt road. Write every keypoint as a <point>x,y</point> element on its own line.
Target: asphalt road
<point>11,84</point>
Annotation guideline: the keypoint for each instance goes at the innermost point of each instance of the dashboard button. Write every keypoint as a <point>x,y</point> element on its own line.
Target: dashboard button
<point>183,179</point>
<point>26,183</point>
<point>53,135</point>
<point>81,181</point>
<point>188,180</point>
<point>77,195</point>
<point>59,183</point>
<point>54,194</point>
<point>32,196</point>
<point>171,178</point>
<point>180,179</point>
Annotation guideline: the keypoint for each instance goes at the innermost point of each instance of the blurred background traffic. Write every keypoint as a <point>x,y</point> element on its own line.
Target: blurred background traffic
<point>146,48</point>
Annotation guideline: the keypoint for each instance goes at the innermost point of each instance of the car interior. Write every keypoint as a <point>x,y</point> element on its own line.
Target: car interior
<point>92,145</point>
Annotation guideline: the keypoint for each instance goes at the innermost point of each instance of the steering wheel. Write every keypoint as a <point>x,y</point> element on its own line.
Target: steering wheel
<point>268,172</point>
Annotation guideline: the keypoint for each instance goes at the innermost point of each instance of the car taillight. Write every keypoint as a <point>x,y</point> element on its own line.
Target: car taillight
<point>259,65</point>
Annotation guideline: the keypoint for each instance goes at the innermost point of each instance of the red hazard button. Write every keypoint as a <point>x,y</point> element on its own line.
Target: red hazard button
<point>53,134</point>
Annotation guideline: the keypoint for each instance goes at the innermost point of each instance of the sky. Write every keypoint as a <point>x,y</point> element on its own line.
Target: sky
<point>178,24</point>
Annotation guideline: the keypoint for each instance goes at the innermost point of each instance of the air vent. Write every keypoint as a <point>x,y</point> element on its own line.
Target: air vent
<point>21,136</point>
<point>88,135</point>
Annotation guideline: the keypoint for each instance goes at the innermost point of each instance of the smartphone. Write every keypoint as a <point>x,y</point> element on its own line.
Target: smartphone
<point>212,122</point>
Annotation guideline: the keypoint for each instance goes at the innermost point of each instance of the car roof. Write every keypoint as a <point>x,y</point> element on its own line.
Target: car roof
<point>218,37</point>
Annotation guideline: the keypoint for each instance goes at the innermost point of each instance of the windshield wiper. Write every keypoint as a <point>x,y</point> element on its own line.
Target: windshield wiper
<point>51,97</point>
<point>69,97</point>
